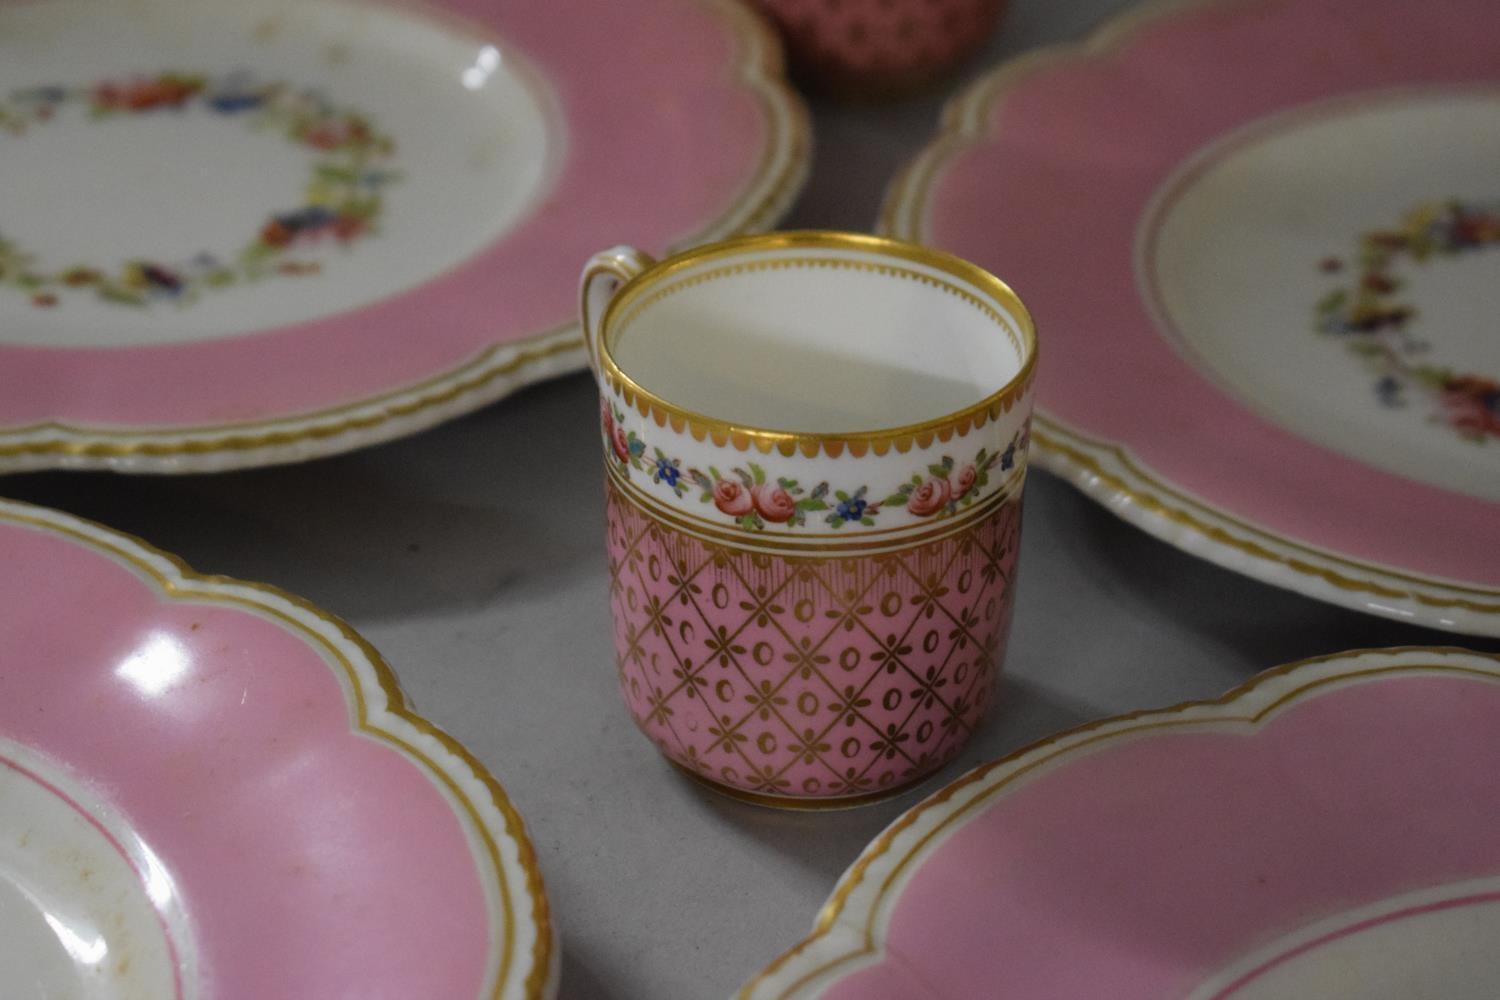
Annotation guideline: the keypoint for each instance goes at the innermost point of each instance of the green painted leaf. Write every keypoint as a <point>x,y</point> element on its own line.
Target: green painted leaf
<point>758,473</point>
<point>895,500</point>
<point>329,172</point>
<point>1435,377</point>
<point>841,495</point>
<point>117,295</point>
<point>1333,301</point>
<point>866,521</point>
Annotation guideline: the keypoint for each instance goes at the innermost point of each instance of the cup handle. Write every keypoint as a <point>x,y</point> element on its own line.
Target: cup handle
<point>602,277</point>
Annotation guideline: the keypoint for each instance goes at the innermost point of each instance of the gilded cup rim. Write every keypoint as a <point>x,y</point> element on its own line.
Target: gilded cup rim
<point>788,441</point>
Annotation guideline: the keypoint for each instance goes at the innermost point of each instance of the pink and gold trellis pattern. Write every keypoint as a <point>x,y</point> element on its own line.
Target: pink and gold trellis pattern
<point>809,677</point>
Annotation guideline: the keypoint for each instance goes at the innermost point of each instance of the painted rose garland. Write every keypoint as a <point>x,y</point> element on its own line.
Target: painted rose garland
<point>342,203</point>
<point>753,499</point>
<point>1377,324</point>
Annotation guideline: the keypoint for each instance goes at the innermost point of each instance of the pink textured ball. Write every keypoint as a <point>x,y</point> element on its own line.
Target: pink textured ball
<point>881,48</point>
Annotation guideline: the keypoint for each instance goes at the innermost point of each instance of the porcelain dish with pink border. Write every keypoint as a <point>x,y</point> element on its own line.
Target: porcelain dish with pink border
<point>1327,830</point>
<point>212,789</point>
<point>1264,239</point>
<point>241,233</point>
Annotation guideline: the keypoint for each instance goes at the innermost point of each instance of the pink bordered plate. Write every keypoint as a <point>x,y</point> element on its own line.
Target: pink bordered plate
<point>212,789</point>
<point>1325,831</point>
<point>239,233</point>
<point>1262,239</point>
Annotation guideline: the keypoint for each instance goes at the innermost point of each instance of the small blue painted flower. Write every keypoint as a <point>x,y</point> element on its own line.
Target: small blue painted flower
<point>852,509</point>
<point>667,471</point>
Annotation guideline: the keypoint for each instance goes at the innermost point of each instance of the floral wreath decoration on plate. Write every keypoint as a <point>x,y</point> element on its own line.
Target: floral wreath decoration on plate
<point>753,499</point>
<point>265,384</point>
<point>343,200</point>
<point>1375,320</point>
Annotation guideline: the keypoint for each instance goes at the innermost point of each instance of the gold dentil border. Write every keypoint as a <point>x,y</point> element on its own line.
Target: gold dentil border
<point>873,254</point>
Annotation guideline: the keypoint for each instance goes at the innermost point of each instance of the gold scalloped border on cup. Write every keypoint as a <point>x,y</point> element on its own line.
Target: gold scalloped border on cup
<point>493,374</point>
<point>656,283</point>
<point>965,123</point>
<point>1212,712</point>
<point>189,586</point>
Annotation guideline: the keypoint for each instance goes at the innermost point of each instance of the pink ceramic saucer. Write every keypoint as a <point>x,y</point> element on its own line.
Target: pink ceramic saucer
<point>1325,831</point>
<point>212,789</point>
<point>1262,239</point>
<point>240,233</point>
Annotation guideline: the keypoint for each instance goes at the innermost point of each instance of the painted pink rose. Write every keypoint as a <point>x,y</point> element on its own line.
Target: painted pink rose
<point>732,498</point>
<point>1473,404</point>
<point>609,420</point>
<point>774,503</point>
<point>964,481</point>
<point>621,443</point>
<point>929,498</point>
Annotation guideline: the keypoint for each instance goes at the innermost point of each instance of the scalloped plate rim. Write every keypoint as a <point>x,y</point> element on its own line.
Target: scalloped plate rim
<point>822,949</point>
<point>375,683</point>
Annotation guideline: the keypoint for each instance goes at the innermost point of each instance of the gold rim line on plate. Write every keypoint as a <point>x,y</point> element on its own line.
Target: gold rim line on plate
<point>743,437</point>
<point>1064,444</point>
<point>136,554</point>
<point>783,166</point>
<point>967,121</point>
<point>1149,720</point>
<point>819,547</point>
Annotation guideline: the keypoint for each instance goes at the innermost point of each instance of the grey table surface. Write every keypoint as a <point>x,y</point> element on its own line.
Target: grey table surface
<point>492,609</point>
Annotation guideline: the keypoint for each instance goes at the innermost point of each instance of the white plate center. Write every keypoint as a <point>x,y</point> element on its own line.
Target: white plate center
<point>182,171</point>
<point>126,193</point>
<point>1337,268</point>
<point>1436,944</point>
<point>76,918</point>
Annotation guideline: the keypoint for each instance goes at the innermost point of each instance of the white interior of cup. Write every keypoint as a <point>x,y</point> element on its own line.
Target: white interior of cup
<point>821,340</point>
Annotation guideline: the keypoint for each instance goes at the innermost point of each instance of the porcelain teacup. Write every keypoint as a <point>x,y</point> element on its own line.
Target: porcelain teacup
<point>815,446</point>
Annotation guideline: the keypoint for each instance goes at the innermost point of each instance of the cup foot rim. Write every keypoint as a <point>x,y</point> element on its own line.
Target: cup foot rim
<point>793,803</point>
